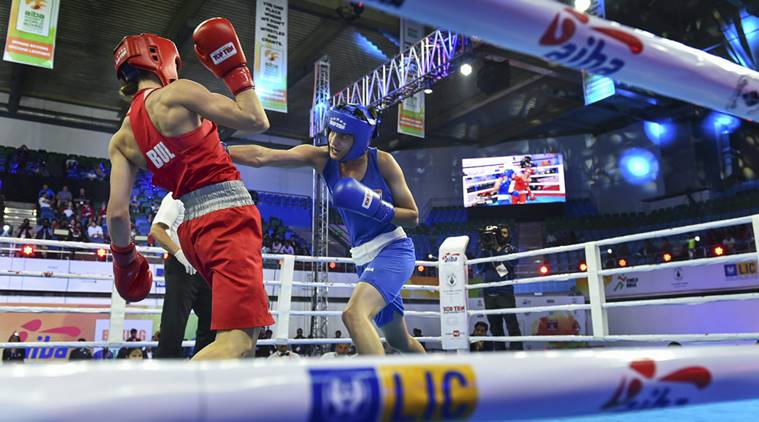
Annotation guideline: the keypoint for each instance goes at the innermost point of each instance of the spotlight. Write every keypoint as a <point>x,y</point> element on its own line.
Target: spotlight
<point>544,269</point>
<point>165,256</point>
<point>420,268</point>
<point>332,265</point>
<point>27,250</point>
<point>583,267</point>
<point>666,257</point>
<point>6,228</point>
<point>466,69</point>
<point>638,166</point>
<point>101,253</point>
<point>582,5</point>
<point>609,251</point>
<point>718,251</point>
<point>622,262</point>
<point>697,238</point>
<point>428,91</point>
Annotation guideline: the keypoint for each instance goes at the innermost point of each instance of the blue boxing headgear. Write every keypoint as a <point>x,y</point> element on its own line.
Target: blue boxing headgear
<point>355,120</point>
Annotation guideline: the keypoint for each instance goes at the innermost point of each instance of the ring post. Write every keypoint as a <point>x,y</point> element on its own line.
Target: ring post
<point>597,294</point>
<point>453,278</point>
<point>755,228</point>
<point>284,300</point>
<point>116,322</point>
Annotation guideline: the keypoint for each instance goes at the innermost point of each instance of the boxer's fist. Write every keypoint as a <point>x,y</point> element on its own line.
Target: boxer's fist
<point>218,48</point>
<point>351,194</point>
<point>131,273</point>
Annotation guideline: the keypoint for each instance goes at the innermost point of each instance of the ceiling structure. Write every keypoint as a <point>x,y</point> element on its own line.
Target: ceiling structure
<point>508,96</point>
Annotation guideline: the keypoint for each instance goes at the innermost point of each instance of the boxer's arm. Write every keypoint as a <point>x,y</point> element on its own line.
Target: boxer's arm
<point>495,188</point>
<point>406,212</point>
<point>123,175</point>
<point>243,113</point>
<point>298,156</point>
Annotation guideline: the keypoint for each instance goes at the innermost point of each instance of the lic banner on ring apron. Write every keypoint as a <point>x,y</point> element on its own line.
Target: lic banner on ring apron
<point>411,110</point>
<point>270,66</point>
<point>31,32</point>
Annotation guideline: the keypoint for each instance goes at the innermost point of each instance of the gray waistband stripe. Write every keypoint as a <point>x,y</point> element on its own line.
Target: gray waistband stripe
<point>215,197</point>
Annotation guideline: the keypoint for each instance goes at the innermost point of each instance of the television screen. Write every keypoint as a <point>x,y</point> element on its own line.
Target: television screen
<point>514,180</point>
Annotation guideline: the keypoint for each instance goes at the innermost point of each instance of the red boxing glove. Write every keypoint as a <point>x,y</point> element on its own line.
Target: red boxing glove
<point>218,48</point>
<point>131,273</point>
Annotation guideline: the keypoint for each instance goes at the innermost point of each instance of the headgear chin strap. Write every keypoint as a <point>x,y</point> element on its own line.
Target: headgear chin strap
<point>147,52</point>
<point>345,119</point>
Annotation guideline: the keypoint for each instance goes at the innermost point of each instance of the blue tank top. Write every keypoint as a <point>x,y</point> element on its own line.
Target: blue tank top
<point>361,229</point>
<point>504,189</point>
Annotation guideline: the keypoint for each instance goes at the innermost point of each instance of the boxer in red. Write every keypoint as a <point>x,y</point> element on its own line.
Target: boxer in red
<point>170,130</point>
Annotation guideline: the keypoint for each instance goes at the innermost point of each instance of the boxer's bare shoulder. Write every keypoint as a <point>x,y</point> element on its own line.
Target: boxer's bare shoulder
<point>124,142</point>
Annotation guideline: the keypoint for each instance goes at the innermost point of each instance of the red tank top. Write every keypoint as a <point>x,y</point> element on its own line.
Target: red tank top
<point>183,163</point>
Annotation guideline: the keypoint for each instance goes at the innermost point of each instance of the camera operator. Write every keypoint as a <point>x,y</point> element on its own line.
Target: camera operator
<point>25,231</point>
<point>495,241</point>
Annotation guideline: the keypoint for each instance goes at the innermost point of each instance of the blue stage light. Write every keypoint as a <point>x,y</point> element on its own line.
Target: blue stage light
<point>661,134</point>
<point>638,166</point>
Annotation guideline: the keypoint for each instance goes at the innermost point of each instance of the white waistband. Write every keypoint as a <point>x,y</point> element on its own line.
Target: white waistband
<point>364,254</point>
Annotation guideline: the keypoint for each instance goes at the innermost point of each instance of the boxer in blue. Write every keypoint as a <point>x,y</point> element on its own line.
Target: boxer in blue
<point>370,193</point>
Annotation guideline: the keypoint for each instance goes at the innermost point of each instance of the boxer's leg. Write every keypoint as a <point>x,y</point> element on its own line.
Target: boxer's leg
<point>364,304</point>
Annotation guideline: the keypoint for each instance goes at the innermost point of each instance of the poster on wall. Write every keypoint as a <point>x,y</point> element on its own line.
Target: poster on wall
<point>45,328</point>
<point>553,323</point>
<point>411,110</point>
<point>729,276</point>
<point>270,64</point>
<point>144,329</point>
<point>31,32</point>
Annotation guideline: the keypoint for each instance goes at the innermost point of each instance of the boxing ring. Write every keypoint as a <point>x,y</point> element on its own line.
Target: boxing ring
<point>450,385</point>
<point>454,385</point>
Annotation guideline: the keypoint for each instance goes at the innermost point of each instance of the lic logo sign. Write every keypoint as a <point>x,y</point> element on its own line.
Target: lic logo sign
<point>393,393</point>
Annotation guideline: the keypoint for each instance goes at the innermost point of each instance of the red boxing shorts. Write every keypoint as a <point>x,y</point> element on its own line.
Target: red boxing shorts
<point>225,247</point>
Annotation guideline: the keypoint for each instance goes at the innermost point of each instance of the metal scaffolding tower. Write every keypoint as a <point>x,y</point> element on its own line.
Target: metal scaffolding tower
<point>411,71</point>
<point>320,198</point>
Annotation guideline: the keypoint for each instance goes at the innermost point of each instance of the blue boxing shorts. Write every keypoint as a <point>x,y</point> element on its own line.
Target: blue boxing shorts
<point>388,272</point>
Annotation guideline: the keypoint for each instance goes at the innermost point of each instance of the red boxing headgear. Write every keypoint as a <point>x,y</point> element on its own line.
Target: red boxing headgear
<point>148,52</point>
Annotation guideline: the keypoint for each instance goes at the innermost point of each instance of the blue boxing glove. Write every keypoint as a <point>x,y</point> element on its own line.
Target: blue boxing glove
<point>352,195</point>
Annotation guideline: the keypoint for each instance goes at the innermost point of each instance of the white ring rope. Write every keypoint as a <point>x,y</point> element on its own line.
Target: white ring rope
<point>552,308</point>
<point>676,230</point>
<point>697,300</point>
<point>528,280</point>
<point>76,245</point>
<point>616,240</point>
<point>677,264</point>
<point>353,284</point>
<point>339,313</point>
<point>81,310</point>
<point>161,251</point>
<point>52,274</point>
<point>641,338</point>
<point>190,343</point>
<point>527,254</point>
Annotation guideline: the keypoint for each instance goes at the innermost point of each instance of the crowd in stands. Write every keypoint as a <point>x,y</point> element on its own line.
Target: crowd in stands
<point>69,215</point>
<point>340,350</point>
<point>23,161</point>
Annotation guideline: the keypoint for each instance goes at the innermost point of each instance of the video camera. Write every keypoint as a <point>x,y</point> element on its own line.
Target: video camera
<point>489,237</point>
